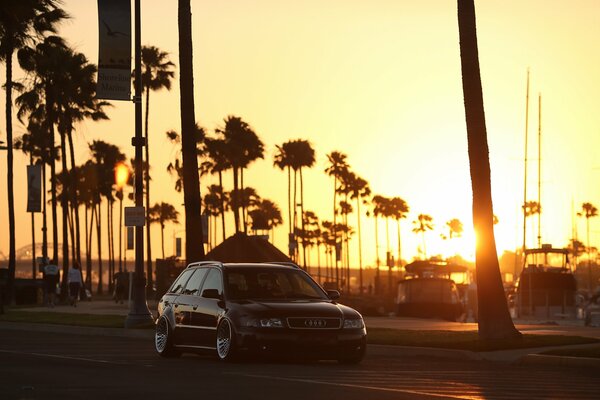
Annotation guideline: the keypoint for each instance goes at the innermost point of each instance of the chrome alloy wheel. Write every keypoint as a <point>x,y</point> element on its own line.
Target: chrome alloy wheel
<point>224,337</point>
<point>161,335</point>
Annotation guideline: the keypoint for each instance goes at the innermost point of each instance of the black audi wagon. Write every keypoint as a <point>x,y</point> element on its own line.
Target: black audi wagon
<point>267,308</point>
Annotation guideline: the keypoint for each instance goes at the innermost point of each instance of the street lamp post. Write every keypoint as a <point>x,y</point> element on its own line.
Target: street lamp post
<point>139,314</point>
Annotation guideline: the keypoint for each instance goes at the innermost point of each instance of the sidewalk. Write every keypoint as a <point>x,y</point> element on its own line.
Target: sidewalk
<point>103,306</point>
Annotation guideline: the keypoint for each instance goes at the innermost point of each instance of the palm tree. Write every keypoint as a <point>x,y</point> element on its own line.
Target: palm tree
<point>157,74</point>
<point>589,211</point>
<point>162,213</point>
<point>494,320</point>
<point>191,180</point>
<point>265,215</point>
<point>336,167</point>
<point>358,188</point>
<point>422,224</point>
<point>216,162</point>
<point>20,22</point>
<point>302,155</point>
<point>399,211</point>
<point>283,160</point>
<point>379,203</point>
<point>455,229</point>
<point>242,146</point>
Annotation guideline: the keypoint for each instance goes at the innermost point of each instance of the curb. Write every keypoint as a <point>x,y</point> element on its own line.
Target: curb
<point>559,361</point>
<point>78,330</point>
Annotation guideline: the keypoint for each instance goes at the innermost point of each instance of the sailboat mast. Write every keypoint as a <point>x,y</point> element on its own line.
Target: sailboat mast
<point>525,167</point>
<point>539,237</point>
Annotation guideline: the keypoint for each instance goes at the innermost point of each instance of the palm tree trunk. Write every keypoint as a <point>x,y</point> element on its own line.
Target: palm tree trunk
<point>494,319</point>
<point>191,179</point>
<point>99,239</point>
<point>334,226</point>
<point>74,199</point>
<point>302,219</point>
<point>33,266</point>
<point>399,245</point>
<point>147,182</point>
<point>360,266</point>
<point>12,253</point>
<point>235,200</point>
<point>64,203</point>
<point>111,235</point>
<point>121,232</point>
<point>162,239</point>
<point>243,200</point>
<point>222,204</point>
<point>289,170</point>
<point>88,247</point>
<point>377,260</point>
<point>44,215</point>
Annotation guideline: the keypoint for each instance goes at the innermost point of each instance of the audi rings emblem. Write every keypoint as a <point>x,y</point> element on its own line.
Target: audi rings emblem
<point>315,323</point>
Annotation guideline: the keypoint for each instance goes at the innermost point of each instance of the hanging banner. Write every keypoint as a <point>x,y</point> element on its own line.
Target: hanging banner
<point>114,50</point>
<point>34,188</point>
<point>130,239</point>
<point>178,247</point>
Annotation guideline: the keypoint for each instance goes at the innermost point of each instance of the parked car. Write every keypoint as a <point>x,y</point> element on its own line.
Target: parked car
<point>266,308</point>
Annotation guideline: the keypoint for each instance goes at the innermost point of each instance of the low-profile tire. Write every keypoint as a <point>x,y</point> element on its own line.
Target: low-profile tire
<point>354,357</point>
<point>163,339</point>
<point>226,347</point>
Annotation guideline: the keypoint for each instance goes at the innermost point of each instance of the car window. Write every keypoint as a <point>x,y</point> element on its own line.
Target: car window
<point>270,283</point>
<point>192,287</point>
<point>213,281</point>
<point>179,283</point>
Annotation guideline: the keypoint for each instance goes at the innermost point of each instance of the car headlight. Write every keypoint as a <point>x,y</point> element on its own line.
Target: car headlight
<point>270,323</point>
<point>356,323</point>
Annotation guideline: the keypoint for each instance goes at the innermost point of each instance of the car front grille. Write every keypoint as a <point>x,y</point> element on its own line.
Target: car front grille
<point>314,323</point>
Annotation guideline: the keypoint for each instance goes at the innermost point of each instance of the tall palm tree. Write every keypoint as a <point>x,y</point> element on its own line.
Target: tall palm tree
<point>302,155</point>
<point>359,189</point>
<point>213,202</point>
<point>20,22</point>
<point>157,73</point>
<point>191,180</point>
<point>589,211</point>
<point>162,213</point>
<point>283,160</point>
<point>105,157</point>
<point>379,204</point>
<point>215,162</point>
<point>455,229</point>
<point>337,165</point>
<point>493,317</point>
<point>399,211</point>
<point>242,146</point>
<point>265,216</point>
<point>422,224</point>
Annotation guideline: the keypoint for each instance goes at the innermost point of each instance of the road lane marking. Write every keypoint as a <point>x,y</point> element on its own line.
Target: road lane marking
<point>350,385</point>
<point>70,358</point>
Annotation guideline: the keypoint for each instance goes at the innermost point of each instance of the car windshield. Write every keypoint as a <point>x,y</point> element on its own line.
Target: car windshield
<point>270,283</point>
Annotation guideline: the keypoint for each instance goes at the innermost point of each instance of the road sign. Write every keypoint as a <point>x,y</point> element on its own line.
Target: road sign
<point>135,216</point>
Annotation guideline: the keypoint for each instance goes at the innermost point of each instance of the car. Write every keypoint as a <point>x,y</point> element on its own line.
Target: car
<point>233,309</point>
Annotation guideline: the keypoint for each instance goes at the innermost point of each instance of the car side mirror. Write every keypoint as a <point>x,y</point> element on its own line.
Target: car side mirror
<point>211,294</point>
<point>333,294</point>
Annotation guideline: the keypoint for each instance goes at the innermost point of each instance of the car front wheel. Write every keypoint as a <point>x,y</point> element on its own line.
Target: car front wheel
<point>226,350</point>
<point>163,339</point>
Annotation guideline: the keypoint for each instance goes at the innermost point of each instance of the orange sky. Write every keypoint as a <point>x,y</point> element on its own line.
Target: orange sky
<point>379,81</point>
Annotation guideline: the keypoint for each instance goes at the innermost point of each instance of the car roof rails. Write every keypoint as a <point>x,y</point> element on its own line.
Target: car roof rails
<point>285,263</point>
<point>200,263</point>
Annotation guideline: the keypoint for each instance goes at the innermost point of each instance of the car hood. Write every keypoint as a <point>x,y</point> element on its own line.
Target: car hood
<point>297,308</point>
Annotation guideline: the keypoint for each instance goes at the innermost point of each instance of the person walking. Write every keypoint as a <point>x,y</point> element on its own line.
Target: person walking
<point>51,278</point>
<point>75,282</point>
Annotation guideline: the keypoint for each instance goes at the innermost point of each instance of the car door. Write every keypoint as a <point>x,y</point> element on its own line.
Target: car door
<point>186,305</point>
<point>170,300</point>
<point>206,311</point>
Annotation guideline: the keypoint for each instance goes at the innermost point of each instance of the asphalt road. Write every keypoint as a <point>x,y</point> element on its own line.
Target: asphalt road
<point>37,365</point>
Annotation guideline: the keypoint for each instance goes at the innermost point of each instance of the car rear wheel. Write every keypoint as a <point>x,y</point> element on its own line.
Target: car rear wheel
<point>226,350</point>
<point>163,339</point>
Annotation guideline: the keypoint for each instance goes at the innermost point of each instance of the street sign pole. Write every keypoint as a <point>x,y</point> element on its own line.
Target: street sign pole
<point>139,314</point>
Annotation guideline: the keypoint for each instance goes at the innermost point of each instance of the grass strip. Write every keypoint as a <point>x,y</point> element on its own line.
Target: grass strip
<point>59,318</point>
<point>589,352</point>
<point>467,340</point>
